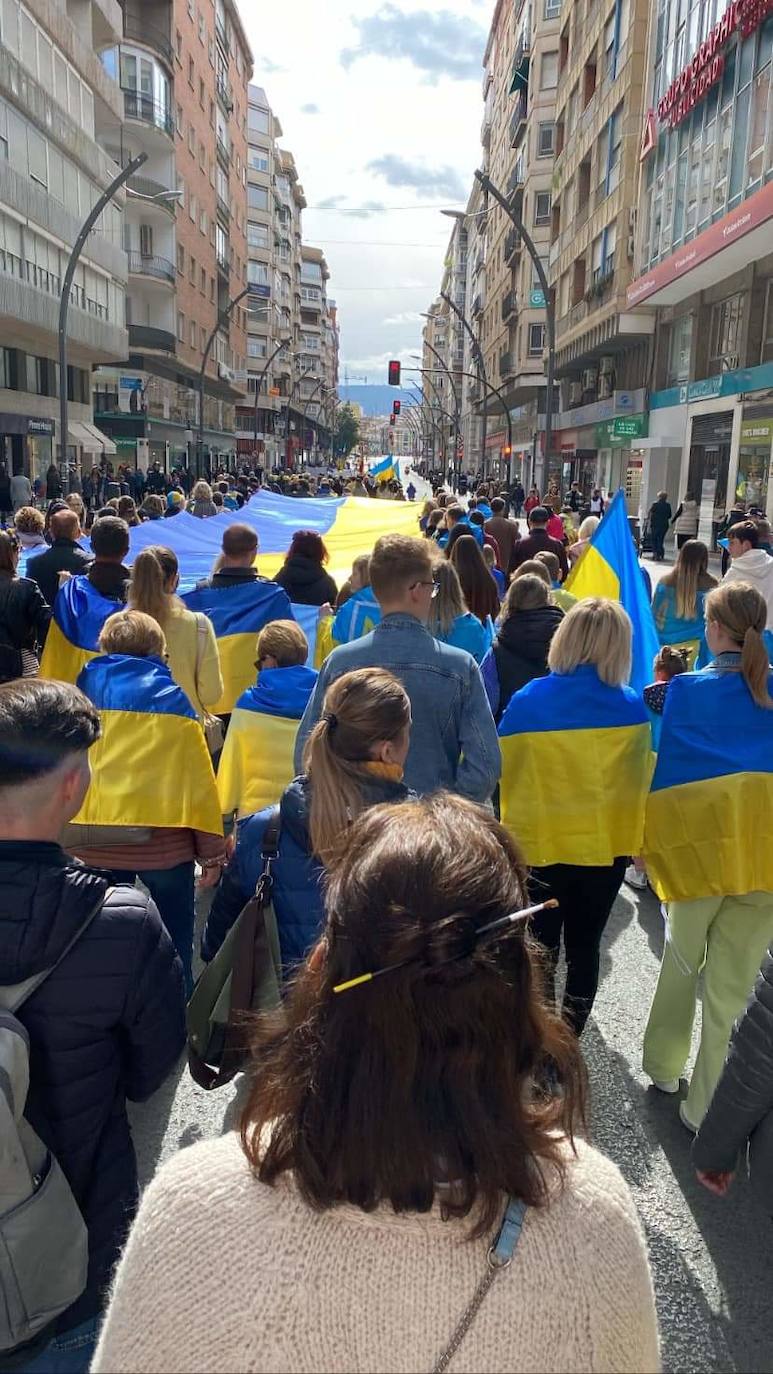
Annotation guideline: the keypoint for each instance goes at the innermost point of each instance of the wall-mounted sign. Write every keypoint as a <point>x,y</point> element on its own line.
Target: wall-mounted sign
<point>45,427</point>
<point>707,64</point>
<point>622,431</point>
<point>537,298</point>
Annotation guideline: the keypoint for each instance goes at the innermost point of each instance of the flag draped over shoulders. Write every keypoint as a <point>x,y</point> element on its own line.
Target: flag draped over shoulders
<point>609,567</point>
<point>709,822</point>
<point>257,759</point>
<point>151,765</point>
<point>237,614</point>
<point>574,726</point>
<point>79,613</point>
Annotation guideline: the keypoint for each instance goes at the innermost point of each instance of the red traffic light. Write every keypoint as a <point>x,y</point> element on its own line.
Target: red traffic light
<point>391,419</point>
<point>394,373</point>
<point>396,407</point>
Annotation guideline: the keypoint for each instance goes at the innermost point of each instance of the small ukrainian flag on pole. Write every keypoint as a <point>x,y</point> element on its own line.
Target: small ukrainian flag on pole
<point>383,470</point>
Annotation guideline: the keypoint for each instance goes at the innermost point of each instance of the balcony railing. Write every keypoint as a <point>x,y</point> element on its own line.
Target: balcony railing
<point>223,152</point>
<point>223,265</point>
<point>145,265</point>
<point>512,245</point>
<point>146,336</point>
<point>506,364</point>
<point>138,31</point>
<point>516,179</point>
<point>508,305</point>
<point>223,209</point>
<point>150,111</point>
<point>224,94</point>
<point>518,119</point>
<point>220,33</point>
<point>40,277</point>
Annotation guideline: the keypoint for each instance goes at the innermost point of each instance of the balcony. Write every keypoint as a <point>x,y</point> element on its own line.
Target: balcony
<point>506,366</point>
<point>144,265</point>
<point>148,111</point>
<point>512,246</point>
<point>136,30</point>
<point>223,266</point>
<point>223,152</point>
<point>220,33</point>
<point>516,179</point>
<point>223,209</point>
<point>518,119</point>
<point>477,305</point>
<point>224,94</point>
<point>145,336</point>
<point>508,306</point>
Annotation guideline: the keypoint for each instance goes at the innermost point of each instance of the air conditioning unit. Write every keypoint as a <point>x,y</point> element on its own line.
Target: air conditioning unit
<point>575,393</point>
<point>606,365</point>
<point>224,373</point>
<point>589,379</point>
<point>606,386</point>
<point>631,245</point>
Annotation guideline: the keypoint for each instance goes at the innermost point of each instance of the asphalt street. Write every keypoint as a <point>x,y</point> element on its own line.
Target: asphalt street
<point>711,1259</point>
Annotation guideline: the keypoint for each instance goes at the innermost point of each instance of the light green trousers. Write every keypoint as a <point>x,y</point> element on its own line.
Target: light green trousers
<point>727,938</point>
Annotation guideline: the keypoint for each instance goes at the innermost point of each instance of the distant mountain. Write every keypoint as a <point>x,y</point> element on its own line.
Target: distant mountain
<point>375,400</point>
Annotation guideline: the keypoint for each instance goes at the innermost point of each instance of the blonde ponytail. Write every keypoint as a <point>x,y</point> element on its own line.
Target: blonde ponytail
<point>360,709</point>
<point>742,613</point>
<point>153,569</point>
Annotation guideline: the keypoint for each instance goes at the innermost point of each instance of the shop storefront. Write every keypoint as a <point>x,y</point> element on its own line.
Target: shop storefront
<point>26,444</point>
<point>752,484</point>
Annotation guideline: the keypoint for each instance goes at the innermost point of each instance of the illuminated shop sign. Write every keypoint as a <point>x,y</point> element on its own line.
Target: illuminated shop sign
<point>708,62</point>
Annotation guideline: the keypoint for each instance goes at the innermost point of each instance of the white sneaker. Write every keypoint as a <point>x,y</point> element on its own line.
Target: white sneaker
<point>635,877</point>
<point>666,1085</point>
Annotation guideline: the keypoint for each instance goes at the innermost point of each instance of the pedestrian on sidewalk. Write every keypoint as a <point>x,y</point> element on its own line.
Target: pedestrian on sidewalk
<point>576,764</point>
<point>660,518</point>
<point>679,602</point>
<point>685,521</point>
<point>709,845</point>
<point>108,1022</point>
<point>376,1159</point>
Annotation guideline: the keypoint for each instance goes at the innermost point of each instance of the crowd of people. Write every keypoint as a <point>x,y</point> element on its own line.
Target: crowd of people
<point>457,782</point>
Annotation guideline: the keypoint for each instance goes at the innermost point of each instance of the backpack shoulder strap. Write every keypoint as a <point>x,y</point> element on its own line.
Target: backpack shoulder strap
<point>13,997</point>
<point>270,846</point>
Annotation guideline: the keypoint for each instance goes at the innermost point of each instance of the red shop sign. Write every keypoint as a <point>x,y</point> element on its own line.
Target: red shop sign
<point>708,63</point>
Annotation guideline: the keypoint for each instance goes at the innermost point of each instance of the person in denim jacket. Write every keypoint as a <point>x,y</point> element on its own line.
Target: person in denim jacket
<point>453,738</point>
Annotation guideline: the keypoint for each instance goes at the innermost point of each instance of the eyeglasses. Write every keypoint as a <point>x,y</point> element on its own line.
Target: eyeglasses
<point>424,582</point>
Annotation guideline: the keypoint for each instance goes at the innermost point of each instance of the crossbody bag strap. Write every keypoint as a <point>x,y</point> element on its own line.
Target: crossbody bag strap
<point>13,997</point>
<point>499,1257</point>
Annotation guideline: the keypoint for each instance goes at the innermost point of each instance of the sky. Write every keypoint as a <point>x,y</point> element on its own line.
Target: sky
<point>381,106</point>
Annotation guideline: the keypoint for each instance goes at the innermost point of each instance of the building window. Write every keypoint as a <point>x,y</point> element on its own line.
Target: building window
<point>203,282</point>
<point>202,93</point>
<point>180,259</point>
<point>552,9</point>
<point>179,120</point>
<point>191,140</point>
<point>727,321</point>
<point>178,45</point>
<point>679,348</point>
<point>257,160</point>
<point>190,72</point>
<point>549,71</point>
<point>192,208</point>
<point>203,222</point>
<point>257,273</point>
<point>614,148</point>
<point>212,289</point>
<point>542,208</point>
<point>193,334</point>
<point>257,348</point>
<point>536,340</point>
<point>257,197</point>
<point>609,46</point>
<point>202,29</point>
<point>610,244</point>
<point>257,235</point>
<point>192,270</point>
<point>257,120</point>
<point>545,140</point>
<point>180,326</point>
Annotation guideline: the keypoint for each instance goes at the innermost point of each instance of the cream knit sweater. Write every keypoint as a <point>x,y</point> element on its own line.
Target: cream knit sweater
<point>223,1273</point>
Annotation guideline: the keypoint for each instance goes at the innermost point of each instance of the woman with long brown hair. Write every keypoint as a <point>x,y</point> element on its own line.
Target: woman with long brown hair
<point>353,759</point>
<point>398,1129</point>
<point>679,602</point>
<point>478,586</point>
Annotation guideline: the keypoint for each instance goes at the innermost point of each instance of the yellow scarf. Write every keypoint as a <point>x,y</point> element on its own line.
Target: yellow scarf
<point>392,771</point>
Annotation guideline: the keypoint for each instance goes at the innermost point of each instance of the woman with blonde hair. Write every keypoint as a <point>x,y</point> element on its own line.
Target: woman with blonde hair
<point>152,810</point>
<point>449,619</point>
<point>708,844</point>
<point>580,721</point>
<point>194,660</point>
<point>587,528</point>
<point>679,602</point>
<point>30,525</point>
<point>201,504</point>
<point>353,759</point>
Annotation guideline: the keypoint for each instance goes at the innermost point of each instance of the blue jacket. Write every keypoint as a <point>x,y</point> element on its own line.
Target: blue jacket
<point>298,895</point>
<point>454,740</point>
<point>468,633</point>
<point>108,1024</point>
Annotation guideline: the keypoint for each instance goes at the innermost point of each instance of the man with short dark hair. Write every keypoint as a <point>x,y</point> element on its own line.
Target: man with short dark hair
<point>64,555</point>
<point>503,530</point>
<point>454,741</point>
<point>110,544</point>
<point>538,539</point>
<point>108,1022</point>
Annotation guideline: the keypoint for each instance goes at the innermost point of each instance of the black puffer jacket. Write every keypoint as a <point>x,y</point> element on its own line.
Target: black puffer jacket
<point>106,1025</point>
<point>741,1109</point>
<point>24,615</point>
<point>521,650</point>
<point>306,581</point>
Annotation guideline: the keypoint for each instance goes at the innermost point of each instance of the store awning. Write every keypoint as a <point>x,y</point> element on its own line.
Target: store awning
<point>98,442</point>
<point>77,435</point>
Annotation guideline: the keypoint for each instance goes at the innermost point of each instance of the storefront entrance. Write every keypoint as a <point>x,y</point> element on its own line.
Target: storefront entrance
<point>710,443</point>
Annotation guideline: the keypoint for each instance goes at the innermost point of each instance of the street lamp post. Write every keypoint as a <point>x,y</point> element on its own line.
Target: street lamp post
<point>64,301</point>
<point>477,354</point>
<point>259,383</point>
<point>502,401</point>
<point>550,318</point>
<point>431,406</point>
<point>302,377</point>
<point>320,384</point>
<point>455,393</point>
<point>428,422</point>
<point>205,359</point>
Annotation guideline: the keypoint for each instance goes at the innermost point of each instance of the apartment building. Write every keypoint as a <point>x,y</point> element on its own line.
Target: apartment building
<point>518,138</point>
<point>55,97</point>
<point>602,346</point>
<point>704,265</point>
<point>438,390</point>
<point>184,67</point>
<point>317,356</point>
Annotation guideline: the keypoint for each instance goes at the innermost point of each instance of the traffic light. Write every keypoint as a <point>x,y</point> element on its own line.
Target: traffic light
<point>391,419</point>
<point>394,373</point>
<point>396,407</point>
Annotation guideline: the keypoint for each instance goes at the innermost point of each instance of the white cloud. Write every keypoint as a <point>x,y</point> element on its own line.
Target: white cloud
<point>378,108</point>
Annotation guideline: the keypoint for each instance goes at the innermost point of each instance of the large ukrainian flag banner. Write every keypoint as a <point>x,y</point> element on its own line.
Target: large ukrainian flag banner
<point>256,764</point>
<point>609,567</point>
<point>237,614</point>
<point>715,762</point>
<point>78,616</point>
<point>575,726</point>
<point>150,765</point>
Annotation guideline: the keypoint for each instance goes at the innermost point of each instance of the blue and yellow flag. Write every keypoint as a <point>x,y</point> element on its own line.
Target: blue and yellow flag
<point>609,567</point>
<point>257,759</point>
<point>237,614</point>
<point>576,765</point>
<point>709,823</point>
<point>151,765</point>
<point>383,470</point>
<point>76,624</point>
